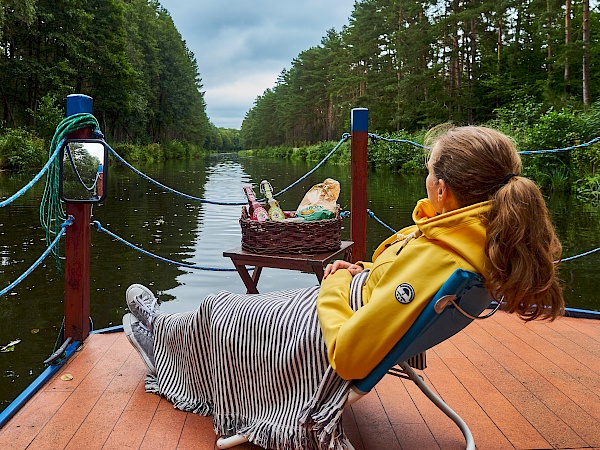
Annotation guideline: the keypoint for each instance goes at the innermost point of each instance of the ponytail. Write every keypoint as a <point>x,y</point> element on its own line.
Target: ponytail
<point>481,164</point>
<point>522,248</point>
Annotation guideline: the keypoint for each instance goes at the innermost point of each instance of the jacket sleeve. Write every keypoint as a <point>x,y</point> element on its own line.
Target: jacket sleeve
<point>357,341</point>
<point>333,307</point>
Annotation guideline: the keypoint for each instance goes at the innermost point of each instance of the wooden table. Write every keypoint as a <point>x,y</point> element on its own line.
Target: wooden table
<point>305,262</point>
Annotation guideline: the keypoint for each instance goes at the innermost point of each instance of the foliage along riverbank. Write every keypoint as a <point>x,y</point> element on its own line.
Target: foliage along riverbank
<point>575,171</point>
<point>22,150</point>
<point>27,148</point>
<point>418,64</point>
<point>127,55</point>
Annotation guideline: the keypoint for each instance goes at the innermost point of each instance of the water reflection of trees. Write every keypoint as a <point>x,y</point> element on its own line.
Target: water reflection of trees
<point>576,223</point>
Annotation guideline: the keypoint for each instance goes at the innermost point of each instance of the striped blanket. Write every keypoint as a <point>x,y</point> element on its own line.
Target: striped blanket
<point>257,364</point>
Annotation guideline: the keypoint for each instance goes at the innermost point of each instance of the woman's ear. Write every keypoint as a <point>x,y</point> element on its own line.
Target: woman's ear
<point>442,190</point>
<point>446,198</point>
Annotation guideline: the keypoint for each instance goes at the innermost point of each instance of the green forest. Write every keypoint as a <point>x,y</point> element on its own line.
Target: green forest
<point>416,64</point>
<point>527,67</point>
<point>126,54</point>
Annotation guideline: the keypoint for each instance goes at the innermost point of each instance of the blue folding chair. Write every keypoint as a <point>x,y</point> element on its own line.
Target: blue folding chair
<point>459,301</point>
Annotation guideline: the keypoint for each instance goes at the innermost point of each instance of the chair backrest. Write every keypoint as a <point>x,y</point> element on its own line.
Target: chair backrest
<point>432,327</point>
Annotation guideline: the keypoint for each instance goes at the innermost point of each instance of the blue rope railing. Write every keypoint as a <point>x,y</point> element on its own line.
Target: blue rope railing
<point>570,258</point>
<point>558,150</point>
<point>96,224</point>
<point>34,180</point>
<point>372,215</point>
<point>344,138</point>
<point>167,188</point>
<point>343,215</point>
<point>374,138</point>
<point>24,275</point>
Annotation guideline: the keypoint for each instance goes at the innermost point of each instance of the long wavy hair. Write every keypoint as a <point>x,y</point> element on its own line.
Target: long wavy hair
<point>480,164</point>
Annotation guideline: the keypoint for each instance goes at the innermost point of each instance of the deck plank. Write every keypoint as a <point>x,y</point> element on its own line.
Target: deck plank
<point>547,374</point>
<point>470,393</point>
<point>530,393</point>
<point>195,426</point>
<point>165,430</point>
<point>517,385</point>
<point>373,424</point>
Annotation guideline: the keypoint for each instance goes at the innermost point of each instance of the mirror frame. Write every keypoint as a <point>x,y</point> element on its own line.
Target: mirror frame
<point>104,171</point>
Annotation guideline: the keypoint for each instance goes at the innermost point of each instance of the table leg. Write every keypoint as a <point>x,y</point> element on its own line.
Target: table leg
<point>319,272</point>
<point>256,275</point>
<point>348,254</point>
<point>247,279</point>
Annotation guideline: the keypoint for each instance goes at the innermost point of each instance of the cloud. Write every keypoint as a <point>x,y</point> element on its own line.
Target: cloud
<point>230,94</point>
<point>242,46</point>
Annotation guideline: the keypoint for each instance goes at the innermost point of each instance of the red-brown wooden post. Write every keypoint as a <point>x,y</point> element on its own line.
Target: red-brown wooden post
<point>358,192</point>
<point>77,245</point>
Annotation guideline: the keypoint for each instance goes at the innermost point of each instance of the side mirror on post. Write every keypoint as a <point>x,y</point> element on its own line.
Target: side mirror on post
<point>83,170</point>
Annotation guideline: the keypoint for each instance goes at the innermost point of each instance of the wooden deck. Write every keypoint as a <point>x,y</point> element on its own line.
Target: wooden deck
<point>517,385</point>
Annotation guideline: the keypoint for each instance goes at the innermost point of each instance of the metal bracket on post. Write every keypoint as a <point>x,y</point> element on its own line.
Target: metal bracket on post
<point>77,245</point>
<point>358,193</point>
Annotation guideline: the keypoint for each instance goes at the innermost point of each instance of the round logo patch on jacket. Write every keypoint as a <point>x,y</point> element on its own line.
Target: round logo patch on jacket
<point>405,293</point>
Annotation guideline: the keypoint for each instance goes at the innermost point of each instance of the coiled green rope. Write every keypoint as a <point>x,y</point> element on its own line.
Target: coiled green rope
<point>52,211</point>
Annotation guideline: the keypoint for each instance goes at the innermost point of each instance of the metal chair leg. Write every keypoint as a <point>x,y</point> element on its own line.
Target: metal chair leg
<point>440,404</point>
<point>231,441</point>
<point>348,444</point>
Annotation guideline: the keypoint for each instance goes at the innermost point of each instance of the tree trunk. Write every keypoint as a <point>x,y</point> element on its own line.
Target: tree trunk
<point>586,53</point>
<point>567,45</point>
<point>330,118</point>
<point>549,37</point>
<point>472,61</point>
<point>499,41</point>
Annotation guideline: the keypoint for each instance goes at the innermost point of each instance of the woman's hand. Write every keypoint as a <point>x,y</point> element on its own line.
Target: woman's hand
<point>354,269</point>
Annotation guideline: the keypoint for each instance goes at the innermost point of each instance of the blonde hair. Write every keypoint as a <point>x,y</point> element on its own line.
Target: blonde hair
<point>480,164</point>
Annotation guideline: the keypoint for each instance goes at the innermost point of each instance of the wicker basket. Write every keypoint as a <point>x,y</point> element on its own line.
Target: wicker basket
<point>290,237</point>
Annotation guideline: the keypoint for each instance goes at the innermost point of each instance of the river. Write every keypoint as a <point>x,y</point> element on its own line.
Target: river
<point>194,232</point>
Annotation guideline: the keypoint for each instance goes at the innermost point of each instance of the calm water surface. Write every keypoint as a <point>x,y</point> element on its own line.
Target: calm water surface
<point>194,232</point>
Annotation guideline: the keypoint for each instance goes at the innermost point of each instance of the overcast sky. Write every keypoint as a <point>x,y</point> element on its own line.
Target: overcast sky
<point>242,45</point>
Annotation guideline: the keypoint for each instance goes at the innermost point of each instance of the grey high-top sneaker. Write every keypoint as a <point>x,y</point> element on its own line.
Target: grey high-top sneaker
<point>141,338</point>
<point>142,303</point>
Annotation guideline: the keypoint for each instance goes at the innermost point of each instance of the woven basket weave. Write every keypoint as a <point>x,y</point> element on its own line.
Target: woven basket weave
<point>290,237</point>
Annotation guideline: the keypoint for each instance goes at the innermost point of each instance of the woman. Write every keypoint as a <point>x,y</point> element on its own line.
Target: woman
<point>274,368</point>
<point>479,215</point>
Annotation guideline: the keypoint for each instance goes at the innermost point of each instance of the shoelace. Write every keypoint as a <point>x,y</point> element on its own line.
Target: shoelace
<point>147,331</point>
<point>150,310</point>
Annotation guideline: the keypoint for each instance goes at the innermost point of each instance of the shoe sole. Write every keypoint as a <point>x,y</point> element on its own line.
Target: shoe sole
<point>133,291</point>
<point>128,319</point>
<point>129,294</point>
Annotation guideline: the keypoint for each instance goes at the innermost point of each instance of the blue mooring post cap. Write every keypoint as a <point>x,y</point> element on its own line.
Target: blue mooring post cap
<point>79,103</point>
<point>359,119</point>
